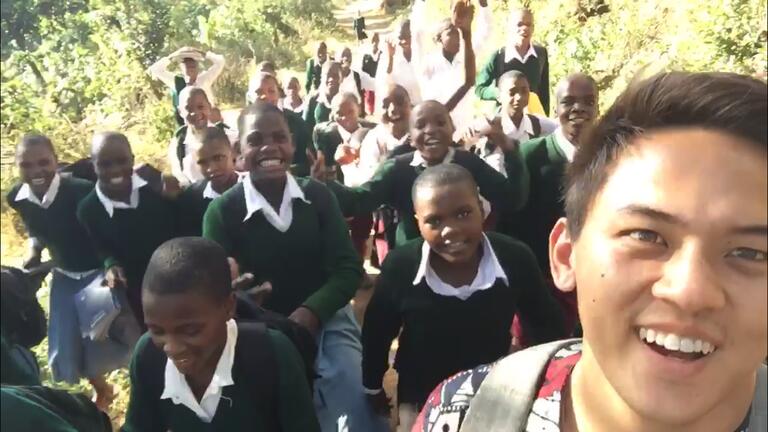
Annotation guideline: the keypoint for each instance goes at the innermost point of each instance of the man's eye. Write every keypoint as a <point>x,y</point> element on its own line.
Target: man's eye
<point>434,223</point>
<point>748,254</point>
<point>646,236</point>
<point>463,214</point>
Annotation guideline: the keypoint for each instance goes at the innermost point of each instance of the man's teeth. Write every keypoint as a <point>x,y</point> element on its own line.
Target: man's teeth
<point>673,342</point>
<point>38,181</point>
<point>117,180</point>
<point>270,162</point>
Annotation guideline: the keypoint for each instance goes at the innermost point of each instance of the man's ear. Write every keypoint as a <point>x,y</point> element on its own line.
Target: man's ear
<point>561,257</point>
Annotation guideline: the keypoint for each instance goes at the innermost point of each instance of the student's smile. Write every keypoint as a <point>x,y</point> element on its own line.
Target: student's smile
<point>37,167</point>
<point>268,147</point>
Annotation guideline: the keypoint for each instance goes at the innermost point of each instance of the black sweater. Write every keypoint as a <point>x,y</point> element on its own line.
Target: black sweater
<point>443,335</point>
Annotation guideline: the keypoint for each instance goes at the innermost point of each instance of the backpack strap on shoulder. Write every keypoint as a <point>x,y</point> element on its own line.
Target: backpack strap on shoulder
<point>257,363</point>
<point>504,399</point>
<point>536,124</point>
<point>181,135</point>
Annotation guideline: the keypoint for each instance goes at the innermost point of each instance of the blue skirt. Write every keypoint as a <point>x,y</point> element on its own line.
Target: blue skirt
<point>70,356</point>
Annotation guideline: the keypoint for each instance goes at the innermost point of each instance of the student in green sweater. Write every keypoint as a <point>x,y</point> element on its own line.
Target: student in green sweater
<point>267,89</point>
<point>444,290</point>
<point>47,203</point>
<point>318,108</point>
<point>314,66</point>
<point>431,135</point>
<point>290,232</point>
<point>125,219</point>
<point>217,164</point>
<point>196,369</point>
<point>520,54</point>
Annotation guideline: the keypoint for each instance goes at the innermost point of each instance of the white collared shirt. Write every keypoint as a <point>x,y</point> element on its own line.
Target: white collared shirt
<point>511,53</point>
<point>376,145</point>
<point>349,85</point>
<point>488,271</point>
<point>419,161</point>
<point>110,205</point>
<point>525,131</point>
<point>566,146</point>
<point>188,171</point>
<point>177,389</point>
<point>211,193</point>
<point>25,193</point>
<point>255,201</point>
<point>285,104</point>
<point>204,79</point>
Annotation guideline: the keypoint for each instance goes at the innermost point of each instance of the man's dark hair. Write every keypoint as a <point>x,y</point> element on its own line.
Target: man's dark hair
<point>34,139</point>
<point>101,139</point>
<point>725,102</point>
<point>442,175</point>
<point>187,264</point>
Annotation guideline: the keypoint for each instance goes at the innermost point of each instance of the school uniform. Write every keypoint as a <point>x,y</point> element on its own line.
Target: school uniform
<point>394,179</point>
<point>318,110</point>
<point>314,72</point>
<point>353,83</point>
<point>305,252</point>
<point>534,64</point>
<point>126,234</point>
<point>43,409</point>
<point>441,323</point>
<point>229,402</point>
<point>368,68</point>
<point>302,140</point>
<point>191,205</point>
<point>374,149</point>
<point>182,152</point>
<point>53,220</point>
<point>285,104</point>
<point>177,83</point>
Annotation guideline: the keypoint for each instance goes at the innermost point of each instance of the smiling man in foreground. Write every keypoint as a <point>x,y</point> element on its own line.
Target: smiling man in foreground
<point>665,237</point>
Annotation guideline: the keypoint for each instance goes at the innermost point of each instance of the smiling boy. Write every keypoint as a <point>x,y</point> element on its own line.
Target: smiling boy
<point>670,264</point>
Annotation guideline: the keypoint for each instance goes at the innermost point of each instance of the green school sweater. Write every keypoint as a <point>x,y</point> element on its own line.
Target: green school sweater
<point>546,164</point>
<point>315,113</point>
<point>42,409</point>
<point>440,333</point>
<point>13,369</point>
<point>130,236</point>
<point>57,226</point>
<point>302,140</point>
<point>312,264</point>
<point>147,413</point>
<point>536,69</point>
<point>393,180</point>
<point>190,208</point>
<point>313,74</point>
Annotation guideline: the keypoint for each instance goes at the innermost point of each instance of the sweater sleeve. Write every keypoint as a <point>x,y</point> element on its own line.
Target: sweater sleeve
<point>544,83</point>
<point>310,71</point>
<point>505,194</point>
<point>370,195</point>
<point>214,227</point>
<point>340,259</point>
<point>518,177</point>
<point>296,409</point>
<point>485,85</point>
<point>382,323</point>
<point>89,222</point>
<point>540,314</point>
<point>143,413</point>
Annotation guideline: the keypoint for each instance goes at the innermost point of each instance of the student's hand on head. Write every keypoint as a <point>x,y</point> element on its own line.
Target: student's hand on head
<point>317,168</point>
<point>380,403</point>
<point>307,319</point>
<point>115,278</point>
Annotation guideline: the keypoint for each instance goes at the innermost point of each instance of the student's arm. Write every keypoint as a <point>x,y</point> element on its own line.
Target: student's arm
<point>339,256</point>
<point>214,227</point>
<point>484,26</point>
<point>296,410</point>
<point>310,72</point>
<point>382,323</point>
<point>543,92</point>
<point>143,406</point>
<point>418,45</point>
<point>540,314</point>
<point>213,72</point>
<point>485,84</point>
<point>370,195</point>
<point>159,70</point>
<point>469,68</point>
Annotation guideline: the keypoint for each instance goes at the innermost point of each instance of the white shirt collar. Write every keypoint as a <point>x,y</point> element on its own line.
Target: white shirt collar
<point>488,271</point>
<point>510,53</point>
<point>346,135</point>
<point>255,201</point>
<point>419,161</point>
<point>210,193</point>
<point>110,205</point>
<point>522,133</point>
<point>566,146</point>
<point>25,193</point>
<point>177,389</point>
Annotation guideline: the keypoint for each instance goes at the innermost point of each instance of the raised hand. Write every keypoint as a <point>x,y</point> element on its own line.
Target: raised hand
<point>115,278</point>
<point>462,14</point>
<point>345,154</point>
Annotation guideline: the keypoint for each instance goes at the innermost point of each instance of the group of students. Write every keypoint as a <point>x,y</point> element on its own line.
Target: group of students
<point>487,233</point>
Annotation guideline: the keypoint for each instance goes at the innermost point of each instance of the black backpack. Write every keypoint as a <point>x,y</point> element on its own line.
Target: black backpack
<point>22,319</point>
<point>74,409</point>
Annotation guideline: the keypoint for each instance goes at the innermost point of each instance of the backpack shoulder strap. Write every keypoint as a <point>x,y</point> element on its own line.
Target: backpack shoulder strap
<point>541,54</point>
<point>499,63</point>
<point>181,135</point>
<point>758,417</point>
<point>504,399</point>
<point>258,364</point>
<point>536,123</point>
